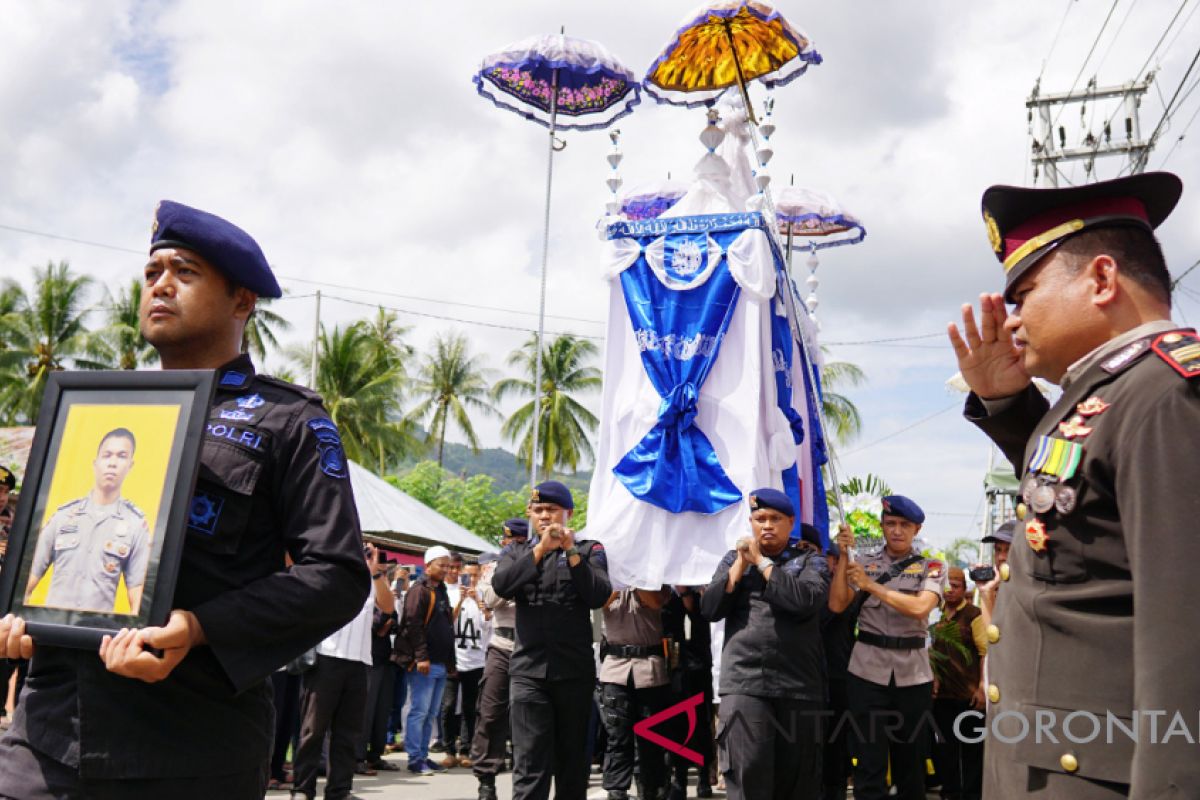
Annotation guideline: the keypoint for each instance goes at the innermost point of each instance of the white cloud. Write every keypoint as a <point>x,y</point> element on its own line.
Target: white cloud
<point>348,138</point>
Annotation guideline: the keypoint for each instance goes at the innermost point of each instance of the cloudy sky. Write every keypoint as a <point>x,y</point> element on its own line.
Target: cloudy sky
<point>348,138</point>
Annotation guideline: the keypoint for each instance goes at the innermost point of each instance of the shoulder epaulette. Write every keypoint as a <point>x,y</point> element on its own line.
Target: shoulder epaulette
<point>1181,350</point>
<point>1126,356</point>
<point>303,391</point>
<point>74,502</point>
<point>129,505</point>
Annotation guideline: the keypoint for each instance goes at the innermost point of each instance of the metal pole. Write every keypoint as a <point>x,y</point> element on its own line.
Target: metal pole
<point>737,64</point>
<point>537,357</point>
<point>312,368</point>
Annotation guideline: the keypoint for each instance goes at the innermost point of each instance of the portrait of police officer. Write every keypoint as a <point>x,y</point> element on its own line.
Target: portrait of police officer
<point>94,541</point>
<point>556,582</point>
<point>771,593</point>
<point>1093,617</point>
<point>184,709</point>
<point>889,688</point>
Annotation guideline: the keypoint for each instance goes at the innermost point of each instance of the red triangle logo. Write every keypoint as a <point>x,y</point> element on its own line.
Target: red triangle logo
<point>688,707</point>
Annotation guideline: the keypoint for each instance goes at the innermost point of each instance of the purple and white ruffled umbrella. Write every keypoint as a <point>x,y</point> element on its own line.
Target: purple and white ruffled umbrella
<point>561,83</point>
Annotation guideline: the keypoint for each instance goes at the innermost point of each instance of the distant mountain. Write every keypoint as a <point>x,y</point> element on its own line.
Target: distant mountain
<point>502,465</point>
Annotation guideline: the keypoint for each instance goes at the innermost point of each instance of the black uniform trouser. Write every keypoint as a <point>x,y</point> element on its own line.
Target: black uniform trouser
<point>888,720</point>
<point>287,718</point>
<point>835,761</point>
<point>334,698</point>
<point>28,774</point>
<point>458,729</point>
<point>773,747</point>
<point>689,684</point>
<point>622,706</point>
<point>380,686</point>
<point>959,763</point>
<point>491,724</point>
<point>549,727</point>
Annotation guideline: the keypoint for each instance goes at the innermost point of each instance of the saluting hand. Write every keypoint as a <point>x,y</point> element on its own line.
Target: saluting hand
<point>988,358</point>
<point>129,652</point>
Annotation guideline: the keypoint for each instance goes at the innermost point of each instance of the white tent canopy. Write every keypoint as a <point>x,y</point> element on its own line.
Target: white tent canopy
<point>386,511</point>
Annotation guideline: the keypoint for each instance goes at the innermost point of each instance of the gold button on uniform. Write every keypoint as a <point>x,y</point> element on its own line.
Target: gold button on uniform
<point>993,634</point>
<point>1004,572</point>
<point>994,693</point>
<point>1069,762</point>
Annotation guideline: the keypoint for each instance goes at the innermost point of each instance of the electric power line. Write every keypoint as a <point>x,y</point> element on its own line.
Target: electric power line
<point>905,429</point>
<point>1166,31</point>
<point>1091,50</point>
<point>1167,112</point>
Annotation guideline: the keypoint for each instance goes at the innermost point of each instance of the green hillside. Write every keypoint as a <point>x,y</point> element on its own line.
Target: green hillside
<point>500,464</point>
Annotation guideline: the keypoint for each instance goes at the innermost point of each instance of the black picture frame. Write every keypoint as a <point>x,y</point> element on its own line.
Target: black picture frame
<point>106,395</point>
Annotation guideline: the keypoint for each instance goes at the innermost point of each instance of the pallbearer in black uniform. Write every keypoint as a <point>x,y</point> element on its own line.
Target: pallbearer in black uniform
<point>1097,615</point>
<point>889,686</point>
<point>185,710</point>
<point>770,594</point>
<point>556,582</point>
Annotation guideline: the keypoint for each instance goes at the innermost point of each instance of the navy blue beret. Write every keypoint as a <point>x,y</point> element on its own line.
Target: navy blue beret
<point>553,492</point>
<point>900,506</point>
<point>223,244</point>
<point>517,526</point>
<point>773,499</point>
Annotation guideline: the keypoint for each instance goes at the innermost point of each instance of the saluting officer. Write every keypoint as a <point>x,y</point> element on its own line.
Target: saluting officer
<point>555,582</point>
<point>1091,621</point>
<point>489,745</point>
<point>890,684</point>
<point>93,541</point>
<point>185,710</point>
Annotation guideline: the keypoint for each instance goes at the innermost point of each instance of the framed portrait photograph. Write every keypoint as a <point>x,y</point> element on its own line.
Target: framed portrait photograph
<point>98,532</point>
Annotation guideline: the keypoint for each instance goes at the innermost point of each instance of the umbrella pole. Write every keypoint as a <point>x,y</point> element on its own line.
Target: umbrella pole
<point>537,356</point>
<point>737,63</point>
<point>789,251</point>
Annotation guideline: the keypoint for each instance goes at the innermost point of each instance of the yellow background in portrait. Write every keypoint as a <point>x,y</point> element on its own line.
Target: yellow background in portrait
<point>154,427</point>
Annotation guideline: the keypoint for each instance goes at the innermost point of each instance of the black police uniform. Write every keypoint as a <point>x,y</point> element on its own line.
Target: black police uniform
<point>1098,618</point>
<point>772,674</point>
<point>553,667</point>
<point>273,482</point>
<point>691,634</point>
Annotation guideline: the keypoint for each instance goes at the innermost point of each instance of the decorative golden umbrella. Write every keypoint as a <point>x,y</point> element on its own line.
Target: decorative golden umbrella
<point>728,43</point>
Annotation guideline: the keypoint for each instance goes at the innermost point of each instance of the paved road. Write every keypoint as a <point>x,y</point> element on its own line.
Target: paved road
<point>455,784</point>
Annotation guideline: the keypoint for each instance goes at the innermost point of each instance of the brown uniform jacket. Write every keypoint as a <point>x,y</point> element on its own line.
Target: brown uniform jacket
<point>1102,620</point>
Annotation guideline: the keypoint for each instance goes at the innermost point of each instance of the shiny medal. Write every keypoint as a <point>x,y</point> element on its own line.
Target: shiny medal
<point>1027,487</point>
<point>1074,427</point>
<point>1064,499</point>
<point>1042,499</point>
<point>1092,406</point>
<point>1035,534</point>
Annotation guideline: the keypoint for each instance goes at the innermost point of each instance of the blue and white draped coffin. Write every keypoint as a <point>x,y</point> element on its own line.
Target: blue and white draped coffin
<point>705,390</point>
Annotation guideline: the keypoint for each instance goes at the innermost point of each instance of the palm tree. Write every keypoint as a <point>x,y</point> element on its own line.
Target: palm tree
<point>450,382</point>
<point>963,552</point>
<point>120,345</point>
<point>44,333</point>
<point>361,395</point>
<point>565,424</point>
<point>261,328</point>
<point>842,419</point>
<point>387,340</point>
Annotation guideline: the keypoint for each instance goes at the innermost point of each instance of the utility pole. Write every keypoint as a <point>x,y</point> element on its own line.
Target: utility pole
<point>312,368</point>
<point>1050,146</point>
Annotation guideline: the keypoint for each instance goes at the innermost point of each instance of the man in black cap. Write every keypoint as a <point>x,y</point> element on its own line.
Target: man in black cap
<point>890,683</point>
<point>555,582</point>
<point>185,710</point>
<point>1001,541</point>
<point>1090,621</point>
<point>489,746</point>
<point>771,595</point>
<point>8,482</point>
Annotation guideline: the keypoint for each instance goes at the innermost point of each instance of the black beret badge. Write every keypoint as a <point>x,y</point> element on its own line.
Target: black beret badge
<point>329,446</point>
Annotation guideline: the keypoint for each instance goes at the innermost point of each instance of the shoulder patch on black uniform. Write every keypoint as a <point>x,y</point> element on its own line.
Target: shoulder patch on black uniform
<point>1181,351</point>
<point>329,445</point>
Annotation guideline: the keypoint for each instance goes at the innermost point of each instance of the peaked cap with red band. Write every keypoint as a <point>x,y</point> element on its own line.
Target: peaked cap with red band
<point>1024,225</point>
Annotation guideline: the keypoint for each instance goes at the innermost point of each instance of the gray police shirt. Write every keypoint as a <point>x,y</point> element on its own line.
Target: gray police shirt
<point>91,546</point>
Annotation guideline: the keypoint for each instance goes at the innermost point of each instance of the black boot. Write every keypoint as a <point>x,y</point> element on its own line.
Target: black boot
<point>487,787</point>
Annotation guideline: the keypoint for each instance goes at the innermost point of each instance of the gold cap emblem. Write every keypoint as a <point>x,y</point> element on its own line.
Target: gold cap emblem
<point>993,233</point>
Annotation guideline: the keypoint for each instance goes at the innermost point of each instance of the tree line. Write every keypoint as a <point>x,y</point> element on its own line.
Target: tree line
<point>390,402</point>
